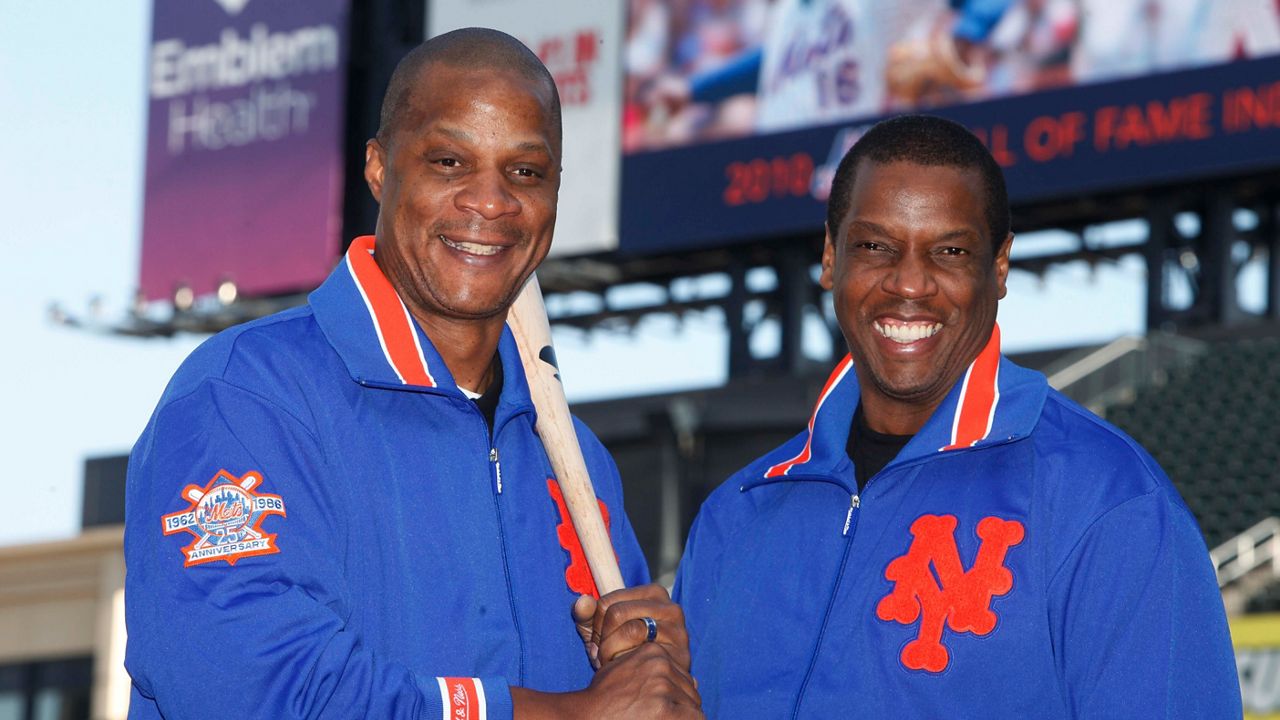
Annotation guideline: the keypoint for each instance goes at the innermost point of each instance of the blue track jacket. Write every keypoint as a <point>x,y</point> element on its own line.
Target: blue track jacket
<point>1020,558</point>
<point>319,526</point>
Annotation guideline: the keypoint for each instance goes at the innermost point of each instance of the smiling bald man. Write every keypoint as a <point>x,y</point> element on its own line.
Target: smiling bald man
<point>343,510</point>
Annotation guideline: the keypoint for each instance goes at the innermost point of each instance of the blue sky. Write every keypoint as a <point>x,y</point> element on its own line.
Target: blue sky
<point>72,88</point>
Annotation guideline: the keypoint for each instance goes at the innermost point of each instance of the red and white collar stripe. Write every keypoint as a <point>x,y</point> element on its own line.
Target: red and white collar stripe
<point>392,322</point>
<point>462,698</point>
<point>837,375</point>
<point>979,396</point>
<point>974,414</point>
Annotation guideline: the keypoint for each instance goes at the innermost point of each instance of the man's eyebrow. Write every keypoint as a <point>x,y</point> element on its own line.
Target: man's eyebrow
<point>880,230</point>
<point>868,226</point>
<point>533,146</point>
<point>959,234</point>
<point>456,134</point>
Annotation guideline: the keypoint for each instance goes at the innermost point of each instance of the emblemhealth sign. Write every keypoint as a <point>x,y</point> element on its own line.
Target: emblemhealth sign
<point>1257,643</point>
<point>261,63</point>
<point>244,157</point>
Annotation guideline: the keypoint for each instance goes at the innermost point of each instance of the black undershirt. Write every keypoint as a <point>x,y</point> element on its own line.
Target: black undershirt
<point>487,403</point>
<point>869,450</point>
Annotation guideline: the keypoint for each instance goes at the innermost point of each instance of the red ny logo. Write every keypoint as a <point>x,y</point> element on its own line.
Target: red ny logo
<point>953,598</point>
<point>578,574</point>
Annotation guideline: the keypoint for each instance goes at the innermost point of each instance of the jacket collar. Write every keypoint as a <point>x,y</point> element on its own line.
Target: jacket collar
<point>370,327</point>
<point>995,401</point>
<point>382,346</point>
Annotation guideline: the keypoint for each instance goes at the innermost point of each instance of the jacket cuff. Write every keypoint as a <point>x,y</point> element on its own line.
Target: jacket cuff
<point>466,698</point>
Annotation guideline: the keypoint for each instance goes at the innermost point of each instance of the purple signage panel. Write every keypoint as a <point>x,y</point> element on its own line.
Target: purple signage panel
<point>244,132</point>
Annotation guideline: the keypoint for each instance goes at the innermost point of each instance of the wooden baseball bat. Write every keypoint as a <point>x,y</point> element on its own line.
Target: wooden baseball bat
<point>528,320</point>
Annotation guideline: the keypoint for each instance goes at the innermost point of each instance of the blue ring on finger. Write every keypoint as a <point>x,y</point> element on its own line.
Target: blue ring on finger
<point>652,624</point>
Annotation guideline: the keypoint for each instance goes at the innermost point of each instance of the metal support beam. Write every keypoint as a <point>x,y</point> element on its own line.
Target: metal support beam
<point>1160,228</point>
<point>735,319</point>
<point>681,448</point>
<point>796,290</point>
<point>668,483</point>
<point>380,34</point>
<point>1269,229</point>
<point>1218,302</point>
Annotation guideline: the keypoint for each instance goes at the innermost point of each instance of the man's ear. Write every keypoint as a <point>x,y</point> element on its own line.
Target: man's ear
<point>827,279</point>
<point>1002,265</point>
<point>375,163</point>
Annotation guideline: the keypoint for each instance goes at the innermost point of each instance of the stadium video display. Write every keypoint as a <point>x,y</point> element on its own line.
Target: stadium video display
<point>755,101</point>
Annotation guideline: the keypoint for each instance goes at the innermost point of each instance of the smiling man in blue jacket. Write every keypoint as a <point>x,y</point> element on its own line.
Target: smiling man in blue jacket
<point>949,537</point>
<point>343,510</point>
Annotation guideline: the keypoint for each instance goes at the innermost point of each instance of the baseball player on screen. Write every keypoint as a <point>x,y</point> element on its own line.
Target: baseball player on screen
<point>824,61</point>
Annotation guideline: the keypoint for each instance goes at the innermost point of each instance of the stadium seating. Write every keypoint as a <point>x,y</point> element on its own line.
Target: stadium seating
<point>1215,429</point>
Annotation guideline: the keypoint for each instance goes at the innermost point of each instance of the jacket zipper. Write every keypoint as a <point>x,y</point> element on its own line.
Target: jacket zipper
<point>495,477</point>
<point>850,527</point>
<point>497,470</point>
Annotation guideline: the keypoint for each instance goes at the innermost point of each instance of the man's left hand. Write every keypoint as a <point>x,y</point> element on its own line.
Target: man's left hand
<point>615,624</point>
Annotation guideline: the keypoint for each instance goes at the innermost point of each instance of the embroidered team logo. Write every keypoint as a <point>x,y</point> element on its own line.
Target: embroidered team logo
<point>954,598</point>
<point>225,517</point>
<point>578,573</point>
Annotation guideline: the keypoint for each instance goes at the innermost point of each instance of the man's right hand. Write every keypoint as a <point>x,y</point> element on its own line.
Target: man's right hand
<point>645,683</point>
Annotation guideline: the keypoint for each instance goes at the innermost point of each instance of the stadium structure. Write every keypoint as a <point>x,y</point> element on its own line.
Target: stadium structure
<point>1188,149</point>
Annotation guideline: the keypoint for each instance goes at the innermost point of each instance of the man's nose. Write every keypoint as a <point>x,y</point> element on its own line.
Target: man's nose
<point>910,277</point>
<point>486,194</point>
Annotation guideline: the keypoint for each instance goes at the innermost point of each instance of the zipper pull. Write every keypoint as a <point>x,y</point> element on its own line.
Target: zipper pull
<point>854,503</point>
<point>497,468</point>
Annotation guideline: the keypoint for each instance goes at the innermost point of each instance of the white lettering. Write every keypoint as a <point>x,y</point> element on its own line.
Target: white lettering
<point>229,549</point>
<point>269,113</point>
<point>164,68</point>
<point>177,522</point>
<point>236,61</point>
<point>268,503</point>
